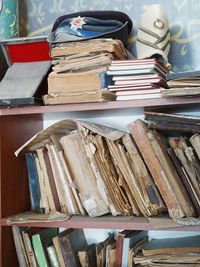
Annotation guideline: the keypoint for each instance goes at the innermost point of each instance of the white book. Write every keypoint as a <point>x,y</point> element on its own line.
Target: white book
<point>138,97</point>
<point>129,241</point>
<point>135,77</point>
<point>139,92</point>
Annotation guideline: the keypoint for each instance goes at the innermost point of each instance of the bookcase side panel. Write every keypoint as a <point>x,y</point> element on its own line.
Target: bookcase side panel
<point>8,256</point>
<point>15,131</point>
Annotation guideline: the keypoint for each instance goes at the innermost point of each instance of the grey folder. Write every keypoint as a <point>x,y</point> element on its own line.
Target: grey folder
<point>22,81</point>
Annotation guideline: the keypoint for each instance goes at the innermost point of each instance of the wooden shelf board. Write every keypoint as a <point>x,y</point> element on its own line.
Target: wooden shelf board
<point>159,102</point>
<point>110,222</point>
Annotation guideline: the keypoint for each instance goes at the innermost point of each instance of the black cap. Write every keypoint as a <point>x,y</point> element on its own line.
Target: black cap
<point>90,25</point>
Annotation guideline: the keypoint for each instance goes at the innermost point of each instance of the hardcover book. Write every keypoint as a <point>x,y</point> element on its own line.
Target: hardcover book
<point>90,46</point>
<point>119,246</point>
<point>79,97</point>
<point>89,81</point>
<point>40,240</point>
<point>25,234</point>
<point>34,186</point>
<point>71,241</point>
<point>189,244</point>
<point>182,74</point>
<point>87,256</point>
<point>23,82</point>
<point>129,241</point>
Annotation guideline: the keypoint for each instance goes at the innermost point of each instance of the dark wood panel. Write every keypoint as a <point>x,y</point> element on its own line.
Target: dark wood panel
<point>14,131</point>
<point>8,254</point>
<point>110,105</point>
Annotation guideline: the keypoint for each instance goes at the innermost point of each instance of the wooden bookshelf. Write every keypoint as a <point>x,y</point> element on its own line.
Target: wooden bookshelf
<point>110,105</point>
<point>17,125</point>
<point>14,193</point>
<point>111,222</point>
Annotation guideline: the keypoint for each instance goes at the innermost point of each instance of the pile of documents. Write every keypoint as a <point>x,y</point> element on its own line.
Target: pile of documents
<point>84,168</point>
<point>77,167</point>
<point>186,83</point>
<point>182,251</point>
<point>79,70</point>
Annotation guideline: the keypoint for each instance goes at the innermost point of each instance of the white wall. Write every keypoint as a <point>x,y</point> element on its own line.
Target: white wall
<point>116,118</point>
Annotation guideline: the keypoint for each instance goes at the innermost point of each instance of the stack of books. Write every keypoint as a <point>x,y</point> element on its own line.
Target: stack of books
<point>137,79</point>
<point>79,167</point>
<point>186,83</point>
<point>70,247</point>
<point>89,169</point>
<point>127,248</point>
<point>48,247</point>
<point>182,251</point>
<point>79,70</point>
<point>183,148</point>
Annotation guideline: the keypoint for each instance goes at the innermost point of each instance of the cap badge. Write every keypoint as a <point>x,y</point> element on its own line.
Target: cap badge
<point>77,23</point>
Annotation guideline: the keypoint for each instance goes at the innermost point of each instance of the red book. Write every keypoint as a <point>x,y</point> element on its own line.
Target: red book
<point>119,246</point>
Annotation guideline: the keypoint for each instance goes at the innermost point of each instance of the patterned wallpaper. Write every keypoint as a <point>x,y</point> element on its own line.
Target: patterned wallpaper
<point>37,17</point>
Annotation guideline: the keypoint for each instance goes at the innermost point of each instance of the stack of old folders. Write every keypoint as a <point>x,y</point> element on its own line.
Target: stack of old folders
<point>185,83</point>
<point>182,251</point>
<point>77,167</point>
<point>84,168</point>
<point>182,146</point>
<point>137,79</point>
<point>79,71</point>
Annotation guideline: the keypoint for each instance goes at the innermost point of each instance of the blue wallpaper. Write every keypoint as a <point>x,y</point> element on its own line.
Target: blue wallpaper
<point>183,19</point>
<point>9,21</point>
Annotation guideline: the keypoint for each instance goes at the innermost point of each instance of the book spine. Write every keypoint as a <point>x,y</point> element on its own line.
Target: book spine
<point>119,249</point>
<point>39,251</point>
<point>184,179</point>
<point>175,185</point>
<point>67,252</point>
<point>33,182</point>
<point>52,256</point>
<point>105,80</point>
<point>155,159</point>
<point>170,126</point>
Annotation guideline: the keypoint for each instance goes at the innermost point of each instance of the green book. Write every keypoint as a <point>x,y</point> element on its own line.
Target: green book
<point>40,240</point>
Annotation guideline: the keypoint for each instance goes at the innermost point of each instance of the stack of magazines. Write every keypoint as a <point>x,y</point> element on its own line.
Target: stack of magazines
<point>186,83</point>
<point>137,79</point>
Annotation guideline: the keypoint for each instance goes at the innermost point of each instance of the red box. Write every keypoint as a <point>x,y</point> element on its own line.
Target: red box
<point>25,49</point>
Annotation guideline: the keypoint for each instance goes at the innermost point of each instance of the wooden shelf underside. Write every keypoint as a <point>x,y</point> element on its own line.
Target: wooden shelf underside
<point>110,105</point>
<point>110,222</point>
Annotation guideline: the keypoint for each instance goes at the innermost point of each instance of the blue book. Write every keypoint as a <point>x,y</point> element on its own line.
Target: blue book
<point>34,185</point>
<point>183,74</point>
